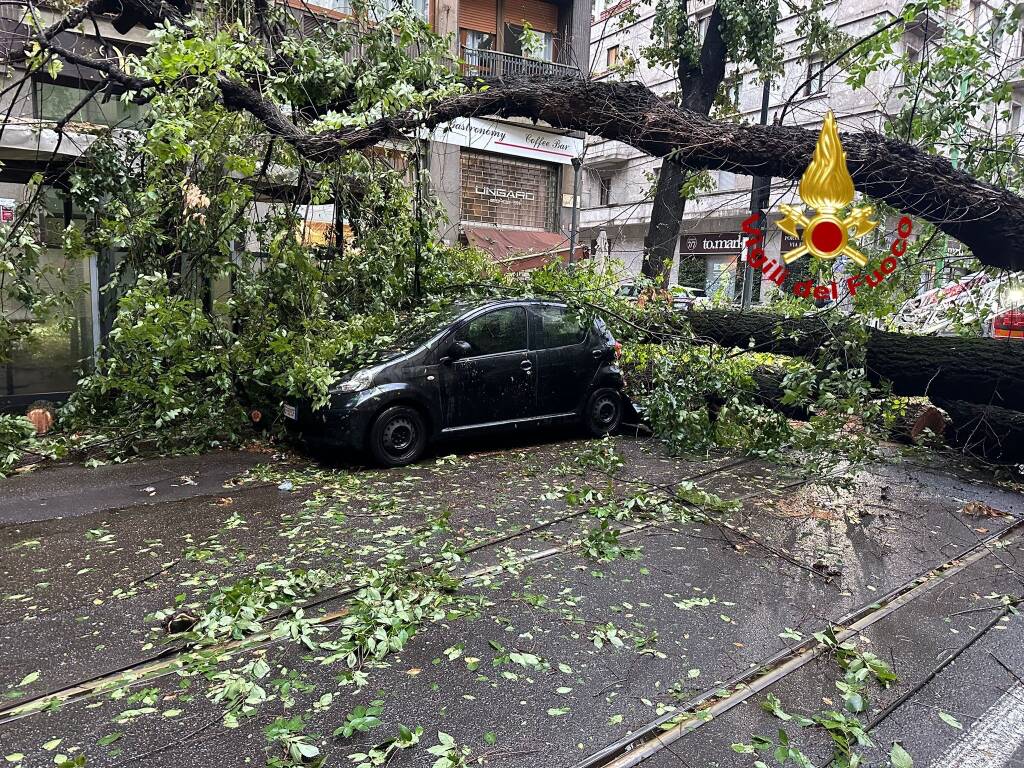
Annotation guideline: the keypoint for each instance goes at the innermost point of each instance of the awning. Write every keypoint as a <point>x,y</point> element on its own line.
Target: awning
<point>518,250</point>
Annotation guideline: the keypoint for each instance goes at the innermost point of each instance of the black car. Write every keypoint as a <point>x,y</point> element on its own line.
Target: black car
<point>499,364</point>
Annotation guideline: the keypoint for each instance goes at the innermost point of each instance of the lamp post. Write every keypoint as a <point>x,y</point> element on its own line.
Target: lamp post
<point>577,165</point>
<point>760,188</point>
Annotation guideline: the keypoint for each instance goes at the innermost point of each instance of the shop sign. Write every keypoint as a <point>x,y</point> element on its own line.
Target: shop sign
<point>505,195</point>
<point>509,139</point>
<point>712,244</point>
<point>7,206</point>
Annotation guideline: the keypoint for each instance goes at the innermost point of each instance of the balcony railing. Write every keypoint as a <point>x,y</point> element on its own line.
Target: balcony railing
<point>497,64</point>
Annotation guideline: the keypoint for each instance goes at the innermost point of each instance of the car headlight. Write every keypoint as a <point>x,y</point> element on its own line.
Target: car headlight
<point>357,382</point>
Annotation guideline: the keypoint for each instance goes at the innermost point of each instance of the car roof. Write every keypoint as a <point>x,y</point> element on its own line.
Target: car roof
<point>473,308</point>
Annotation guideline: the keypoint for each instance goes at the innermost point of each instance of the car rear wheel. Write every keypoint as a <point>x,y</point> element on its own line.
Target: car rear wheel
<point>604,412</point>
<point>398,436</point>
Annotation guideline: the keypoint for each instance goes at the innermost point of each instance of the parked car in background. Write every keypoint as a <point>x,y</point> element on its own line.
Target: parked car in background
<point>494,365</point>
<point>993,305</point>
<point>681,297</point>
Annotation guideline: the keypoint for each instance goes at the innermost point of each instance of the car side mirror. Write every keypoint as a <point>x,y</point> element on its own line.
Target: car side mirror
<point>457,350</point>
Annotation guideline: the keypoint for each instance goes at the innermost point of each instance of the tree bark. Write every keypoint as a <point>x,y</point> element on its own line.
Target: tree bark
<point>986,431</point>
<point>699,83</point>
<point>974,370</point>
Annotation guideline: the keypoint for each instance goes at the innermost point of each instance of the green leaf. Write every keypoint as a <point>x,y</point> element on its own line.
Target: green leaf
<point>109,739</point>
<point>558,711</point>
<point>28,679</point>
<point>52,745</point>
<point>948,719</point>
<point>899,757</point>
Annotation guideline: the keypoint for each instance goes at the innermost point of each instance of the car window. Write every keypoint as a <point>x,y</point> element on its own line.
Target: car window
<point>503,330</point>
<point>557,327</point>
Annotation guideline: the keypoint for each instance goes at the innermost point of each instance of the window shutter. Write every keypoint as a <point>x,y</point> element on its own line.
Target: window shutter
<point>543,17</point>
<point>481,15</point>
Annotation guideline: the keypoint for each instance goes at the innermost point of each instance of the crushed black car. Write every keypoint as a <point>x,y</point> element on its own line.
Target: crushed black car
<point>495,365</point>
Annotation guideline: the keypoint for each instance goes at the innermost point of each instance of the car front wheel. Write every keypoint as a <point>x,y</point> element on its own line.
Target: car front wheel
<point>604,412</point>
<point>398,436</point>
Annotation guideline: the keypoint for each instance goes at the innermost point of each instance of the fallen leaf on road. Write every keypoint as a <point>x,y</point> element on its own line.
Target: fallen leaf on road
<point>980,509</point>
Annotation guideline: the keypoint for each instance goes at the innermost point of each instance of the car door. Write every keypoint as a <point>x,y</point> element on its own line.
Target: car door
<point>566,361</point>
<point>495,379</point>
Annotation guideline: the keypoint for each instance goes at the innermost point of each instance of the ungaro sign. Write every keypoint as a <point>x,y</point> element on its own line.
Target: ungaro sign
<point>505,195</point>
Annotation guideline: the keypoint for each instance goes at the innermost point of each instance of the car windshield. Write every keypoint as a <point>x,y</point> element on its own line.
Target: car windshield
<point>420,327</point>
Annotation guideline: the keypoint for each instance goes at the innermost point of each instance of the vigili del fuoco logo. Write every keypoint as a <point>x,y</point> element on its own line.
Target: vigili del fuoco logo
<point>826,188</point>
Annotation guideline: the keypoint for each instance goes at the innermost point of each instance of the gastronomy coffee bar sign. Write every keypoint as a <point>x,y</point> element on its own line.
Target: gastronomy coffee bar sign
<point>509,139</point>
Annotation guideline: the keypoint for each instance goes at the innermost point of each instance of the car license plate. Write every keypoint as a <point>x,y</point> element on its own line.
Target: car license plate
<point>291,412</point>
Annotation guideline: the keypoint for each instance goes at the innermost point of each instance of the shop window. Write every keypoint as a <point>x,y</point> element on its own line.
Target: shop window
<point>505,191</point>
<point>55,101</point>
<point>55,349</point>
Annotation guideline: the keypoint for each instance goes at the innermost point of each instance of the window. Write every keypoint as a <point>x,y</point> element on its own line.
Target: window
<point>976,14</point>
<point>703,23</point>
<point>55,101</point>
<point>604,190</point>
<point>544,51</point>
<point>815,76</point>
<point>503,330</point>
<point>1015,117</point>
<point>477,40</point>
<point>556,327</point>
<point>913,62</point>
<point>612,56</point>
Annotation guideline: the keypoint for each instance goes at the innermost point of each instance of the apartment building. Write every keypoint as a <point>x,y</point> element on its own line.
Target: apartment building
<point>506,185</point>
<point>618,180</point>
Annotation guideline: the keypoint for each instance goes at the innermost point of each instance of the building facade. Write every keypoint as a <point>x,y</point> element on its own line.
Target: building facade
<point>618,181</point>
<point>506,185</point>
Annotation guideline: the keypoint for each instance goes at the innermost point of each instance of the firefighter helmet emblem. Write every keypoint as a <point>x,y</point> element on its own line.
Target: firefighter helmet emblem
<point>827,188</point>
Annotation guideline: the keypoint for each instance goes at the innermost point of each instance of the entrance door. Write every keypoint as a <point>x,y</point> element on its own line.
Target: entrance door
<point>721,276</point>
<point>496,380</point>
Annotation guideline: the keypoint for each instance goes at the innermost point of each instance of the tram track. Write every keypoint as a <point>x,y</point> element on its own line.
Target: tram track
<point>658,734</point>
<point>169,659</point>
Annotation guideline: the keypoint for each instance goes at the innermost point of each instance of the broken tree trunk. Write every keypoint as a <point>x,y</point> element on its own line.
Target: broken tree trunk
<point>986,431</point>
<point>973,370</point>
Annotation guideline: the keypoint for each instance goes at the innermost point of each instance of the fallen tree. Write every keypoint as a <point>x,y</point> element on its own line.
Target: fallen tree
<point>986,218</point>
<point>987,431</point>
<point>976,370</point>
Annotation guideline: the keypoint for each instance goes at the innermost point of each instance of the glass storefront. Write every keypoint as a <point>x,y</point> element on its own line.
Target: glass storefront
<point>51,356</point>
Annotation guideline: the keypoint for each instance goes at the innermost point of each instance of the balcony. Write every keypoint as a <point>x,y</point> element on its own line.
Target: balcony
<point>483,63</point>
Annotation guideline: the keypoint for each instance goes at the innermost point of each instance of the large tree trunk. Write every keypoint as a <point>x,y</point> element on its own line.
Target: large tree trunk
<point>986,431</point>
<point>699,83</point>
<point>973,370</point>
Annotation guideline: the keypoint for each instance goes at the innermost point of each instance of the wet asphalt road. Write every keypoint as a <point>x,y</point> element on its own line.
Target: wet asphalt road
<point>696,605</point>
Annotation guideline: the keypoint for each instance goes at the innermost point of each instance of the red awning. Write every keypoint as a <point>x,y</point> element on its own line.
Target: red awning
<point>517,250</point>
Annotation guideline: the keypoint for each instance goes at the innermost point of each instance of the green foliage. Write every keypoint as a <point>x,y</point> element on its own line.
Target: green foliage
<point>16,437</point>
<point>165,376</point>
<point>238,610</point>
<point>361,719</point>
